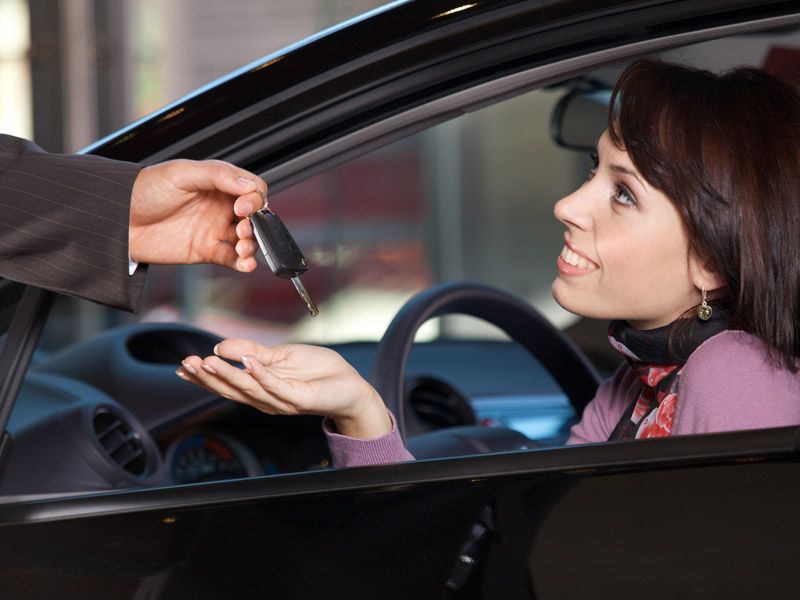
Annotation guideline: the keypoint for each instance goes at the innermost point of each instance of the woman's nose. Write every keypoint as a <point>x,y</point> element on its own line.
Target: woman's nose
<point>573,211</point>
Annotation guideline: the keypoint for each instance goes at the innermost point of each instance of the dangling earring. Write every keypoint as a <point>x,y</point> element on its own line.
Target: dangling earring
<point>704,310</point>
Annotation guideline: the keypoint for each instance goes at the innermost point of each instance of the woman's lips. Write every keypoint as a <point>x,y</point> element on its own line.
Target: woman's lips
<point>571,263</point>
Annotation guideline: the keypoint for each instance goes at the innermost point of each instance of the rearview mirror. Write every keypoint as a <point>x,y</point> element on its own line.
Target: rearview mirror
<point>580,117</point>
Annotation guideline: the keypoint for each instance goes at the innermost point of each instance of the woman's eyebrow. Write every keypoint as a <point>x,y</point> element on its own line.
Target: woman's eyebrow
<point>627,171</point>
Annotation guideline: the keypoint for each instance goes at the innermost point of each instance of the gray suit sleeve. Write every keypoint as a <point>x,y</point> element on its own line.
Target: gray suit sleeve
<point>64,224</point>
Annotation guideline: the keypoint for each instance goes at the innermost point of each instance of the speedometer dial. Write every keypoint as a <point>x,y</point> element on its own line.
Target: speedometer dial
<point>209,456</point>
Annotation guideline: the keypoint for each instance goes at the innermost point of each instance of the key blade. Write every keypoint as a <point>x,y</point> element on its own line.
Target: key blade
<point>301,289</point>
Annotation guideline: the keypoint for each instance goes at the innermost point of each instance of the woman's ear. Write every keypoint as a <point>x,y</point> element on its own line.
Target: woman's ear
<point>702,273</point>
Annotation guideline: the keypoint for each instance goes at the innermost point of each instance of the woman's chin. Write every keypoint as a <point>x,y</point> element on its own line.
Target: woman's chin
<point>579,304</point>
<point>562,298</point>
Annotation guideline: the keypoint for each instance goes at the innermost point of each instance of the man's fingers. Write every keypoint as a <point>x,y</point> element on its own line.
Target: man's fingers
<point>250,202</point>
<point>246,265</point>
<point>219,175</point>
<point>175,204</point>
<point>244,230</point>
<point>246,248</point>
<point>225,254</point>
<point>236,254</point>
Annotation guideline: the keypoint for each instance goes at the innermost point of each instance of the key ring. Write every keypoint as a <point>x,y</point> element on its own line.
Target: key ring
<point>264,196</point>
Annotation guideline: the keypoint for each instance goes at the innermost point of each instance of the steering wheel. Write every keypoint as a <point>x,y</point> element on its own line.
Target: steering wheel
<point>520,321</point>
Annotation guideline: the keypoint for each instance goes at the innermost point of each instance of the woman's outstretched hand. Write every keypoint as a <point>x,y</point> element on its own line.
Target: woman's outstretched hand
<point>292,379</point>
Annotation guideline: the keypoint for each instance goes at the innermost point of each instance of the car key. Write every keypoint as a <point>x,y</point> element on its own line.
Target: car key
<point>281,251</point>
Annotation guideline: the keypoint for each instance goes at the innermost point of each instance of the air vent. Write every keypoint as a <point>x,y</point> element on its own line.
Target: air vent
<point>436,405</point>
<point>120,442</point>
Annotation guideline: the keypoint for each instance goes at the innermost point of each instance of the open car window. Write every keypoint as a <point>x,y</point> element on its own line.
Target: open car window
<point>467,199</point>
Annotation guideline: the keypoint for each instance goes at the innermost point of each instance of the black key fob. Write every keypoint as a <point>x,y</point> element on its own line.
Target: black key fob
<point>278,246</point>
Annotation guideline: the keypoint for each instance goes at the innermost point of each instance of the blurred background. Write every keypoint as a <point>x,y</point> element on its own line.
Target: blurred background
<point>376,230</point>
<point>468,199</point>
<point>72,71</point>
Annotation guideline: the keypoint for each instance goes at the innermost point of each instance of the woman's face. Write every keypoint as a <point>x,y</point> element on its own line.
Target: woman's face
<point>626,253</point>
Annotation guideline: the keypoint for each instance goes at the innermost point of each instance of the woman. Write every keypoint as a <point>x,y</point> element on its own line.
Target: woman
<point>686,234</point>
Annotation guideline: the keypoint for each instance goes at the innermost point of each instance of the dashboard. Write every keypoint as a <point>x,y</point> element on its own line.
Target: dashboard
<point>207,455</point>
<point>109,412</point>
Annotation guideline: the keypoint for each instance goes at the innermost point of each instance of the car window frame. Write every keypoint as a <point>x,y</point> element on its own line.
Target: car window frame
<point>440,110</point>
<point>632,456</point>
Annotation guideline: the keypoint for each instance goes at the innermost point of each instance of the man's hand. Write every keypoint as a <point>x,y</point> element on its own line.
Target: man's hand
<point>186,212</point>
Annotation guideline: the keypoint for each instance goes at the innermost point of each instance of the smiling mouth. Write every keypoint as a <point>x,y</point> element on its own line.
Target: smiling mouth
<point>575,260</point>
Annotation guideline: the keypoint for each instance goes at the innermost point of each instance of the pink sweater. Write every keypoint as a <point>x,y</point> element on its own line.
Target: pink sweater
<point>727,384</point>
<point>353,452</point>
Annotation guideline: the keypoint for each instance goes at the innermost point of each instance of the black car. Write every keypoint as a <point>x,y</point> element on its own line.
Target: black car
<point>409,151</point>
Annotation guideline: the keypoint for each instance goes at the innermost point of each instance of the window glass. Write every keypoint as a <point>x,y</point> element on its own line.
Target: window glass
<point>470,199</point>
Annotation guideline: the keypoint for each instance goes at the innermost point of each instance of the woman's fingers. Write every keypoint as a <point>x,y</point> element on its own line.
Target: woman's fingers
<point>234,349</point>
<point>281,388</point>
<point>268,356</point>
<point>295,378</point>
<point>192,370</point>
<point>230,382</point>
<point>289,360</point>
<point>246,386</point>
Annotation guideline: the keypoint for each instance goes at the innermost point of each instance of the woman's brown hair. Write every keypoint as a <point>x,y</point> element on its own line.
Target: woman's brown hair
<point>726,150</point>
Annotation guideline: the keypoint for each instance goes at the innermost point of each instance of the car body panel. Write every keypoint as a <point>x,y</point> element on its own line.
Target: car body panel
<point>592,520</point>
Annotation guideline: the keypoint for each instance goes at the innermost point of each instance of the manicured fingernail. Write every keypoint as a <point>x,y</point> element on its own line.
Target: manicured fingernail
<point>245,180</point>
<point>216,349</point>
<point>181,374</point>
<point>246,361</point>
<point>209,369</point>
<point>189,367</point>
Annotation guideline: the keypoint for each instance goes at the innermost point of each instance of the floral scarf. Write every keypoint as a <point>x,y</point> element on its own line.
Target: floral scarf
<point>657,356</point>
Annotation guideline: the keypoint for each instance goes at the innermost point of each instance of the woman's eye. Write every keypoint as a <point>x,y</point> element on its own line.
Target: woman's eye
<point>623,196</point>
